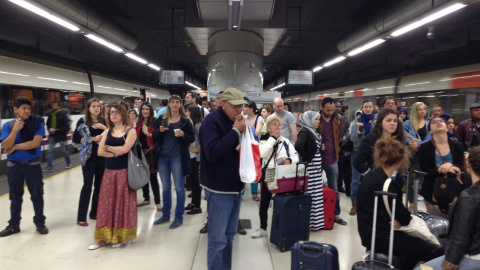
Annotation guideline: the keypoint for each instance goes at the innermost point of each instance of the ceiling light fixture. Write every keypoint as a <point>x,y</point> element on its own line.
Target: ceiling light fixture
<point>235,8</point>
<point>317,68</point>
<point>16,74</point>
<point>367,46</point>
<point>45,14</point>
<point>334,61</point>
<point>192,85</point>
<point>157,68</point>
<point>104,42</point>
<point>278,86</point>
<point>430,18</point>
<point>52,79</point>
<point>136,58</point>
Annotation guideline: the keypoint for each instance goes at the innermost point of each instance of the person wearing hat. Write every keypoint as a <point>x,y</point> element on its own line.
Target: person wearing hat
<point>468,130</point>
<point>219,173</point>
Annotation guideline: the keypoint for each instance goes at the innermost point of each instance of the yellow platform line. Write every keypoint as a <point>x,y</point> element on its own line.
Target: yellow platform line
<point>45,179</point>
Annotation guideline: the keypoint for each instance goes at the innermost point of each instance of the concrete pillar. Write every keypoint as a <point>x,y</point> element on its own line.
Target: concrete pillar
<point>235,59</point>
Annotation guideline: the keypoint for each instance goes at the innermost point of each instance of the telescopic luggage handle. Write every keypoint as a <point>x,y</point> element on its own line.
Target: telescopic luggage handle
<point>374,228</point>
<point>304,176</point>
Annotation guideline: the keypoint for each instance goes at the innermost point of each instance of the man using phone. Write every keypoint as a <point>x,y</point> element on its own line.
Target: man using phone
<point>21,139</point>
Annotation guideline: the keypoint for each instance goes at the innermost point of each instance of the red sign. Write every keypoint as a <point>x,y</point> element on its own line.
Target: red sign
<point>466,80</point>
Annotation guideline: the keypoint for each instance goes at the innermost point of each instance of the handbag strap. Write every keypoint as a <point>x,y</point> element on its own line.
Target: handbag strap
<point>274,150</point>
<point>385,197</point>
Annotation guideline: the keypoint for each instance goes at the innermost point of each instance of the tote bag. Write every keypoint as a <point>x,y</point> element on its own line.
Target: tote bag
<point>138,169</point>
<point>250,165</point>
<point>417,226</point>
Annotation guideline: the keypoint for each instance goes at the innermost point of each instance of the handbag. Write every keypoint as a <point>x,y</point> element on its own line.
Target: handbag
<point>138,169</point>
<point>417,226</point>
<point>447,189</point>
<point>347,145</point>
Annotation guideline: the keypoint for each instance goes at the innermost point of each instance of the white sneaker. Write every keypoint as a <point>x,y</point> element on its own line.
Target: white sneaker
<point>259,233</point>
<point>117,245</point>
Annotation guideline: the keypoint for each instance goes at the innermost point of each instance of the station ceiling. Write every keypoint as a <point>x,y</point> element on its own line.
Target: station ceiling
<point>307,33</point>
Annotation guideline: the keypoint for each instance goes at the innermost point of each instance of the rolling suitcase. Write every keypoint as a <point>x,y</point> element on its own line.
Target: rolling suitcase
<point>438,225</point>
<point>290,219</point>
<point>314,256</point>
<point>372,264</point>
<point>329,201</point>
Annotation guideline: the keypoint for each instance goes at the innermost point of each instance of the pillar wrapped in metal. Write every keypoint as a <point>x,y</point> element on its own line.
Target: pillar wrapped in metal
<point>235,59</point>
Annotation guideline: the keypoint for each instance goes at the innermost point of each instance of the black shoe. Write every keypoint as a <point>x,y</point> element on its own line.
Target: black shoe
<point>204,229</point>
<point>42,229</point>
<point>9,230</point>
<point>240,229</point>
<point>189,206</point>
<point>195,210</point>
<point>190,195</point>
<point>341,189</point>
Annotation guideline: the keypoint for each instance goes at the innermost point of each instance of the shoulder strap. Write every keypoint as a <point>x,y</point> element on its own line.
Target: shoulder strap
<point>274,150</point>
<point>385,198</point>
<point>256,119</point>
<point>285,144</point>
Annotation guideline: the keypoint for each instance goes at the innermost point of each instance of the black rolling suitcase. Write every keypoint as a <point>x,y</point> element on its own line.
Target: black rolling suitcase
<point>314,256</point>
<point>371,264</point>
<point>291,218</point>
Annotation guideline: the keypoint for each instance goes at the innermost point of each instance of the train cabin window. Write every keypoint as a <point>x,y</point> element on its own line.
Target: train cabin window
<point>28,93</point>
<point>7,102</point>
<point>76,102</point>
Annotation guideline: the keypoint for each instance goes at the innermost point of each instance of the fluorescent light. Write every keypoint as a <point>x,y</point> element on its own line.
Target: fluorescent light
<point>334,61</point>
<point>385,87</point>
<point>411,84</point>
<point>101,86</point>
<point>317,68</point>
<point>366,46</point>
<point>136,58</point>
<point>52,79</point>
<point>278,86</point>
<point>120,89</point>
<point>192,85</point>
<point>428,19</point>
<point>16,74</point>
<point>157,68</point>
<point>81,83</point>
<point>45,14</point>
<point>104,42</point>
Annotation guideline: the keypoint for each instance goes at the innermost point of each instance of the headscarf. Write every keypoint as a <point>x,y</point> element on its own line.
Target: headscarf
<point>405,111</point>
<point>367,120</point>
<point>306,121</point>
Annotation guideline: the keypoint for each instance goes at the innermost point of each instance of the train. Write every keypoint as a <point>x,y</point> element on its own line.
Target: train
<point>43,84</point>
<point>454,88</point>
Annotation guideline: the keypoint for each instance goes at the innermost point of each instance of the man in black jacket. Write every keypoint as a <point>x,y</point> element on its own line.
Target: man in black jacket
<point>58,127</point>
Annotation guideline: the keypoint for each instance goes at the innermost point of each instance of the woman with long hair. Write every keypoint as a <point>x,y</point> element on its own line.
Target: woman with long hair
<point>463,246</point>
<point>90,128</point>
<point>144,133</point>
<point>172,135</point>
<point>117,203</point>
<point>255,122</point>
<point>438,156</point>
<point>359,129</point>
<point>388,125</point>
<point>416,134</point>
<point>132,118</point>
<point>193,207</point>
<point>265,113</point>
<point>309,145</point>
<point>390,155</point>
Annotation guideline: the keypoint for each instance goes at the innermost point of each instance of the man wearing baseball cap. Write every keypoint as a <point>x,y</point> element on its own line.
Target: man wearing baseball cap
<point>219,137</point>
<point>468,130</point>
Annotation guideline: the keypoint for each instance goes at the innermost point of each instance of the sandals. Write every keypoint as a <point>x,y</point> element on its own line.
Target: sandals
<point>159,207</point>
<point>82,223</point>
<point>143,203</point>
<point>96,246</point>
<point>340,221</point>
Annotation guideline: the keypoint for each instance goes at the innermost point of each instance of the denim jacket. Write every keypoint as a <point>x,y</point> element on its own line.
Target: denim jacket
<point>355,137</point>
<point>407,126</point>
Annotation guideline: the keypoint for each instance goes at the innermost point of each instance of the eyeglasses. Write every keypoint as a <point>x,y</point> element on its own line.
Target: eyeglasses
<point>114,112</point>
<point>439,121</point>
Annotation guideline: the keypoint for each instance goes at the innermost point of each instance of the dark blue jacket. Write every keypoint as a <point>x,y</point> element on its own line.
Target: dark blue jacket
<point>188,137</point>
<point>220,159</point>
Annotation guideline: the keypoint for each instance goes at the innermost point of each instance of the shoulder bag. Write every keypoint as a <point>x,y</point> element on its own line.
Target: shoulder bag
<point>138,169</point>
<point>417,226</point>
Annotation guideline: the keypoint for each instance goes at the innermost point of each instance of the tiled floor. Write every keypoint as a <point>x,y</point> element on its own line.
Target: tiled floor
<point>157,247</point>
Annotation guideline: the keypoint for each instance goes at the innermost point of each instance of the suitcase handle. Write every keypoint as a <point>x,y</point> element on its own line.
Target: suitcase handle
<point>304,176</point>
<point>384,193</point>
<point>312,248</point>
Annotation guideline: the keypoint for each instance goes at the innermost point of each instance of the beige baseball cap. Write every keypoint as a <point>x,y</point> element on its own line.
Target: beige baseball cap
<point>234,96</point>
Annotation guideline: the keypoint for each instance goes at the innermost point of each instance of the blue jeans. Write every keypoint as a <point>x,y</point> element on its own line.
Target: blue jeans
<point>356,177</point>
<point>63,146</point>
<point>223,212</point>
<point>17,174</point>
<point>167,167</point>
<point>332,177</point>
<point>253,187</point>
<point>465,264</point>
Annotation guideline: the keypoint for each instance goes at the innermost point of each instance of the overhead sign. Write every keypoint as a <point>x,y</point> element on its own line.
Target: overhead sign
<point>262,96</point>
<point>300,77</point>
<point>172,77</point>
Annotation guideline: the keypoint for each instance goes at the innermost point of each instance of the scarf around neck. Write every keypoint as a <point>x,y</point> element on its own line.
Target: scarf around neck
<point>367,119</point>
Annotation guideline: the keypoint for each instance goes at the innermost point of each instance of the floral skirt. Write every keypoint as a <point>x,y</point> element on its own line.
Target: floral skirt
<point>117,209</point>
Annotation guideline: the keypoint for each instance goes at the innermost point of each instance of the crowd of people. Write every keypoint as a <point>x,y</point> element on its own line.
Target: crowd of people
<point>176,138</point>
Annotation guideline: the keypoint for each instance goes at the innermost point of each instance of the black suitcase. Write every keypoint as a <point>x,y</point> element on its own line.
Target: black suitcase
<point>372,264</point>
<point>314,256</point>
<point>290,219</point>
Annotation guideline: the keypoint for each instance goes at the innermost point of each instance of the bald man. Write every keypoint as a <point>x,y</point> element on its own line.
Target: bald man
<point>289,123</point>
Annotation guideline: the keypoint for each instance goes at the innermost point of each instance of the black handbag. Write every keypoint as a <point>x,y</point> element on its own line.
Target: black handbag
<point>446,189</point>
<point>346,146</point>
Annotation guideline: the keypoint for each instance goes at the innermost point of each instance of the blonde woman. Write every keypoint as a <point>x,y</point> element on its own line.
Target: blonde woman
<point>416,127</point>
<point>172,135</point>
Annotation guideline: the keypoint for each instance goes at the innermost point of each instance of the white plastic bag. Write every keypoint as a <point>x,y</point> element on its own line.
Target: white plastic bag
<point>248,165</point>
